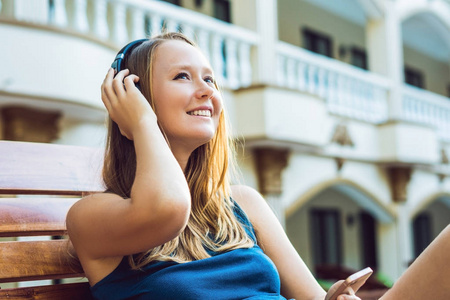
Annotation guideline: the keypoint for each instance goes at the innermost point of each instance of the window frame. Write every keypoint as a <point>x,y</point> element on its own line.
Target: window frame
<point>311,39</point>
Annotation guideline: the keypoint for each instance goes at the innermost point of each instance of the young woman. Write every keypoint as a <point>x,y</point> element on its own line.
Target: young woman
<point>169,225</point>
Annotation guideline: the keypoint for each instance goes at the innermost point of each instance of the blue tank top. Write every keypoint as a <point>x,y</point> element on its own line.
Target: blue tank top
<point>237,274</point>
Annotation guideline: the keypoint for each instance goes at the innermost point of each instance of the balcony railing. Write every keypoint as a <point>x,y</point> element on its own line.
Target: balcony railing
<point>118,21</point>
<point>424,107</point>
<point>348,91</point>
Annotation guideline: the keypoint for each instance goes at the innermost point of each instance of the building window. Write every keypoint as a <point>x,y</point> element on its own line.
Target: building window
<point>326,236</point>
<point>359,58</point>
<point>317,42</point>
<point>368,240</point>
<point>222,10</point>
<point>414,77</point>
<point>422,233</point>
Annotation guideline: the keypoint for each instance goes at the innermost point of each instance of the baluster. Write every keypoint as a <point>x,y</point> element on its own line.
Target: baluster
<point>311,79</point>
<point>217,57</point>
<point>244,63</point>
<point>35,11</point>
<point>100,23</point>
<point>416,115</point>
<point>412,107</point>
<point>137,24</point>
<point>435,116</point>
<point>443,122</point>
<point>321,88</point>
<point>331,92</point>
<point>375,101</point>
<point>348,97</point>
<point>446,127</point>
<point>7,8</point>
<point>291,79</point>
<point>424,113</point>
<point>155,24</point>
<point>301,67</point>
<point>172,26</point>
<point>281,70</point>
<point>60,15</point>
<point>203,42</point>
<point>341,101</point>
<point>119,25</point>
<point>231,63</point>
<point>80,22</point>
<point>188,31</point>
<point>358,109</point>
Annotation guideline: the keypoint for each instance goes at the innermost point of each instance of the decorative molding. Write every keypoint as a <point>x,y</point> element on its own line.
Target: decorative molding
<point>339,163</point>
<point>270,163</point>
<point>29,125</point>
<point>444,157</point>
<point>341,135</point>
<point>399,178</point>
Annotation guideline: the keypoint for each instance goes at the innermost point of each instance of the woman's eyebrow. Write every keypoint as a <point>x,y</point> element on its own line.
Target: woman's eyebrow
<point>205,69</point>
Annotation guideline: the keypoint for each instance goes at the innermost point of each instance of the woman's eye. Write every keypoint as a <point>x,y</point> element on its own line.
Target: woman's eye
<point>181,76</point>
<point>209,79</point>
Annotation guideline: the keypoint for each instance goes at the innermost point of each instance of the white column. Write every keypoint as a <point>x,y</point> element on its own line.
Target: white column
<point>267,28</point>
<point>404,238</point>
<point>384,41</point>
<point>277,207</point>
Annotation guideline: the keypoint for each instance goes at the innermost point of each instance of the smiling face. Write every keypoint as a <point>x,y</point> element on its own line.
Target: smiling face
<point>186,100</point>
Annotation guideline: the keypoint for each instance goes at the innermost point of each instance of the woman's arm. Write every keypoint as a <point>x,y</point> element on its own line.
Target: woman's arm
<point>105,225</point>
<point>429,276</point>
<point>296,279</point>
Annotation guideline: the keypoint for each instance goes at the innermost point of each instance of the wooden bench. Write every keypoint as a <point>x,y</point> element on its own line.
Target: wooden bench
<point>38,185</point>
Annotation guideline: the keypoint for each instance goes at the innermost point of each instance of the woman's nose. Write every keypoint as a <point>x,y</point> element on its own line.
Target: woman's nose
<point>204,90</point>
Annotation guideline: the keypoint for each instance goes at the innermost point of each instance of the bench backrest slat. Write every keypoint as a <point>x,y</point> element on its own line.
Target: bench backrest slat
<point>33,216</point>
<point>38,170</point>
<point>35,168</point>
<point>73,291</point>
<point>50,260</point>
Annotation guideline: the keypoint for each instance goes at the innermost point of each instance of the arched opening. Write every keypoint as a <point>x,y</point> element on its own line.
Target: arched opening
<point>336,231</point>
<point>429,222</point>
<point>426,52</point>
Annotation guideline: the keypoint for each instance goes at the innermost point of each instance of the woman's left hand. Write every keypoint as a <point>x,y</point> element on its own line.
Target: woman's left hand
<point>347,294</point>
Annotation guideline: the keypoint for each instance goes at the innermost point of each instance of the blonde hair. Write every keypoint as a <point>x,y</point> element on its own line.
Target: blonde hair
<point>212,224</point>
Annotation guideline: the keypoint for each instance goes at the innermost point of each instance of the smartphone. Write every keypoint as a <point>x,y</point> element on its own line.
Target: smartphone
<point>355,281</point>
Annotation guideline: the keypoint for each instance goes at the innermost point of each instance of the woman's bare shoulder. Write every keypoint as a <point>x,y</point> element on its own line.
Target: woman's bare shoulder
<point>251,201</point>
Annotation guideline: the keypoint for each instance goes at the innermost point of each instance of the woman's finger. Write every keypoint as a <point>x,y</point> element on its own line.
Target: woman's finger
<point>105,93</point>
<point>130,82</point>
<point>117,83</point>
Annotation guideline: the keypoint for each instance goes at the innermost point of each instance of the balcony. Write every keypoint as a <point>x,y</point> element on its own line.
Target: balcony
<point>347,91</point>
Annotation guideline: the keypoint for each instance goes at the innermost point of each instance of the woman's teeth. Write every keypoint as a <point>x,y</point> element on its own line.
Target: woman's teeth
<point>204,113</point>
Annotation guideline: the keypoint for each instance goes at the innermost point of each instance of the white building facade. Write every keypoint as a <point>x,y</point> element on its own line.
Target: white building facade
<point>340,108</point>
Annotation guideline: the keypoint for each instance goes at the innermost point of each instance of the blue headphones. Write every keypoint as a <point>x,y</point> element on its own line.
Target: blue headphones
<point>118,61</point>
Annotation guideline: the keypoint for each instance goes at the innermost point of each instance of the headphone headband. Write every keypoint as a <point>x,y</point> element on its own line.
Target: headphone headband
<point>117,63</point>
